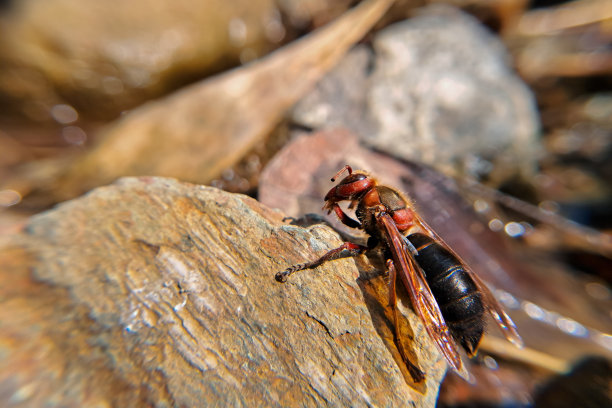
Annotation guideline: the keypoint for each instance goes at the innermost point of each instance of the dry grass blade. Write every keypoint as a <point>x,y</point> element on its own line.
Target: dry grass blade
<point>564,41</point>
<point>530,356</point>
<point>575,14</point>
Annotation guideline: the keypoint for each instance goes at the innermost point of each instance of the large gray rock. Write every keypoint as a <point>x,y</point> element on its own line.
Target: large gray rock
<point>442,91</point>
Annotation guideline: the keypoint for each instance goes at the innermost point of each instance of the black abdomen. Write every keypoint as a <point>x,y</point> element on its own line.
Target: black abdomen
<point>456,293</point>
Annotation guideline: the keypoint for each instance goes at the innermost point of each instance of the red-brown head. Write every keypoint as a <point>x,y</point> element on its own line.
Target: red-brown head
<point>350,188</point>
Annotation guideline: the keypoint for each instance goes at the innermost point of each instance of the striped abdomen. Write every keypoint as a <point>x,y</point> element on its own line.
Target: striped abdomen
<point>456,293</point>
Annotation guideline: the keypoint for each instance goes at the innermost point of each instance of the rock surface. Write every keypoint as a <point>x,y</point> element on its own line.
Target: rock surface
<point>156,292</point>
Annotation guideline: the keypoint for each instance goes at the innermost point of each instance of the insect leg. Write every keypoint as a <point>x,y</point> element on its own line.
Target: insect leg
<point>342,216</point>
<point>346,250</point>
<point>416,374</point>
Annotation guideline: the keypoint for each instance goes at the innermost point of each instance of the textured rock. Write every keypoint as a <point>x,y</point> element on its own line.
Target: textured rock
<point>155,292</point>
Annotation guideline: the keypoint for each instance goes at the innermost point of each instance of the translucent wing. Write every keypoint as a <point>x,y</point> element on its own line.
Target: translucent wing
<point>504,321</point>
<point>422,299</point>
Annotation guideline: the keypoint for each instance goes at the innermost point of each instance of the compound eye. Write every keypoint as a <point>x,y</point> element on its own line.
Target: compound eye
<point>353,178</point>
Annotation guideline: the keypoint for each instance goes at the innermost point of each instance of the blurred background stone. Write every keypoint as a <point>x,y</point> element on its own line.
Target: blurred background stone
<point>196,133</point>
<point>102,58</point>
<point>441,91</point>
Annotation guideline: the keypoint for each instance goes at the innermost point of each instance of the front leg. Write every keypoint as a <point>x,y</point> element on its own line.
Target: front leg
<point>346,250</point>
<point>345,219</point>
